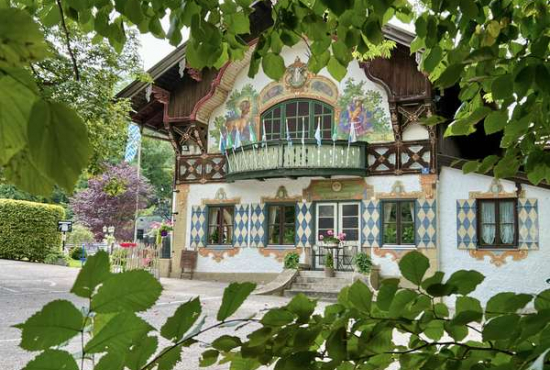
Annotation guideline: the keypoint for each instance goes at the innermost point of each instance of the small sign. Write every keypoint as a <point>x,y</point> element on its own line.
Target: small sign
<point>425,171</point>
<point>65,226</point>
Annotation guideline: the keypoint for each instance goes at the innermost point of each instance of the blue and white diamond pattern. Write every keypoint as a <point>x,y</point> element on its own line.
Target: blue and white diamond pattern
<point>257,225</point>
<point>426,226</point>
<point>466,223</point>
<point>528,223</point>
<point>198,227</point>
<point>240,228</point>
<point>304,225</point>
<point>371,223</point>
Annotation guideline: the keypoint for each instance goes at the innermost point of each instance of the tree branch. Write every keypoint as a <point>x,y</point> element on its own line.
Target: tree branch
<point>68,40</point>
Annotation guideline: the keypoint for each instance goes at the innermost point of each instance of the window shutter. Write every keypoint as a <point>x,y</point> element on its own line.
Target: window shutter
<point>304,225</point>
<point>198,226</point>
<point>371,224</point>
<point>240,226</point>
<point>426,227</point>
<point>466,223</point>
<point>258,232</point>
<point>528,224</point>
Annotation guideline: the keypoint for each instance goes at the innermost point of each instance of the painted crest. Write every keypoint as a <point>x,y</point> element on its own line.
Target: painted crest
<point>296,74</point>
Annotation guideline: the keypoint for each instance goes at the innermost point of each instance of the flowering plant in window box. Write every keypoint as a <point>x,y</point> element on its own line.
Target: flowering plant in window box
<point>162,230</point>
<point>332,239</point>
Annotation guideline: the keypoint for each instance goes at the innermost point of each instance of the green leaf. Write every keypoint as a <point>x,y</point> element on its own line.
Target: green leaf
<point>209,358</point>
<point>450,76</point>
<point>181,321</point>
<point>233,297</point>
<point>538,364</point>
<point>169,358</point>
<point>94,272</point>
<point>433,58</point>
<point>435,329</point>
<point>499,328</point>
<point>413,266</point>
<point>506,302</point>
<point>373,31</point>
<point>135,291</point>
<point>466,281</point>
<point>52,359</point>
<point>15,107</point>
<point>110,361</point>
<point>432,120</point>
<point>542,300</point>
<point>140,352</point>
<point>468,309</point>
<point>278,317</point>
<point>386,293</point>
<point>543,78</point>
<point>302,306</point>
<point>523,80</point>
<point>469,8</point>
<point>466,125</point>
<point>502,87</point>
<point>400,301</point>
<point>335,69</point>
<point>336,344</point>
<point>122,331</point>
<point>470,166</point>
<point>273,66</point>
<point>495,122</point>
<point>56,323</point>
<point>132,9</point>
<point>360,296</point>
<point>226,343</point>
<point>58,142</point>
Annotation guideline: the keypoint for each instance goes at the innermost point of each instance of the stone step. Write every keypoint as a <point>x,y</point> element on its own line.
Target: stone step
<point>321,274</point>
<point>322,280</point>
<point>325,295</point>
<point>309,286</point>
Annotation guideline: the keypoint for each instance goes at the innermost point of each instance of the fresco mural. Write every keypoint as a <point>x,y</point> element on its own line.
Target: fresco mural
<point>239,119</point>
<point>364,109</point>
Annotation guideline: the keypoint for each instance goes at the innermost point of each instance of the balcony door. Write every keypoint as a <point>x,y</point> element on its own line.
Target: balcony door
<point>340,217</point>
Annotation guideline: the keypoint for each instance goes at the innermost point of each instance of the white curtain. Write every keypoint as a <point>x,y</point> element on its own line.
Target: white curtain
<point>507,222</point>
<point>488,223</point>
<point>388,208</point>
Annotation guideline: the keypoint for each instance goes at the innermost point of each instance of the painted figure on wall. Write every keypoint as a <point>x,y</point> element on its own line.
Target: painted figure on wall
<point>241,108</point>
<point>364,109</point>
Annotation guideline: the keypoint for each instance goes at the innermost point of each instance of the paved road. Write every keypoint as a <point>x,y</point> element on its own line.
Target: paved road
<point>26,287</point>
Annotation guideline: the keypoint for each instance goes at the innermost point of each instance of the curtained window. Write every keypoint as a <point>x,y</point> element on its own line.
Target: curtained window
<point>281,223</point>
<point>398,222</point>
<point>302,116</point>
<point>220,225</point>
<point>497,222</point>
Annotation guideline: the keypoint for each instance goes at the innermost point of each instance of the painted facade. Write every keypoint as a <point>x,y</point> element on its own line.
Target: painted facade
<point>243,210</point>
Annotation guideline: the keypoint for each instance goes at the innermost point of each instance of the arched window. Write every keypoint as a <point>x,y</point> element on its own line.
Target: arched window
<point>302,115</point>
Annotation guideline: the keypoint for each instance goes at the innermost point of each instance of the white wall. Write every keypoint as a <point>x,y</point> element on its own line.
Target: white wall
<point>527,275</point>
<point>415,132</point>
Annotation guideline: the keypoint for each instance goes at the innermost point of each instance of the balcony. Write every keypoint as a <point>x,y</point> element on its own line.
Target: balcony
<point>279,159</point>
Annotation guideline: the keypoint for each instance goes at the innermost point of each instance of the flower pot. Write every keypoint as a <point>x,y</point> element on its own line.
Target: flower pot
<point>329,272</point>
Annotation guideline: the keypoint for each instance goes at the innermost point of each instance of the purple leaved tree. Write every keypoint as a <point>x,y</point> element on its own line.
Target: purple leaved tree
<point>110,200</point>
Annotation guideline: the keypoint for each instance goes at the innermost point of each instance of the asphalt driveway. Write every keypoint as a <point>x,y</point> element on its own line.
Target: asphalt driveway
<point>26,287</point>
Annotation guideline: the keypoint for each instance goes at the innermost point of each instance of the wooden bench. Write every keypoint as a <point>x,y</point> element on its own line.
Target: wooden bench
<point>188,262</point>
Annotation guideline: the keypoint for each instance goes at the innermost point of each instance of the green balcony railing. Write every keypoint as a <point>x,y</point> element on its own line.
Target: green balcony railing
<point>279,159</point>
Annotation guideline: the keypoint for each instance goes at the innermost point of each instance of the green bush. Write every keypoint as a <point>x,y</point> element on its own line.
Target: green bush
<point>80,235</point>
<point>362,262</point>
<point>76,253</point>
<point>292,261</point>
<point>54,256</point>
<point>28,230</point>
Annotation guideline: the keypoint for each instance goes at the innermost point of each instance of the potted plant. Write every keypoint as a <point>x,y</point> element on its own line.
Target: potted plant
<point>329,265</point>
<point>362,263</point>
<point>332,240</point>
<point>292,261</point>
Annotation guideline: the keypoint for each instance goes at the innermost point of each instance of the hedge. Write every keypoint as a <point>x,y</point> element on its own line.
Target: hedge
<point>28,230</point>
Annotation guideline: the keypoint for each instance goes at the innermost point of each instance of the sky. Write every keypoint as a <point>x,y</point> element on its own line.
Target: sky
<point>153,49</point>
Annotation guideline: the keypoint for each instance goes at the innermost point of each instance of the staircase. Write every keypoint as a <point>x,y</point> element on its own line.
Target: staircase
<point>314,284</point>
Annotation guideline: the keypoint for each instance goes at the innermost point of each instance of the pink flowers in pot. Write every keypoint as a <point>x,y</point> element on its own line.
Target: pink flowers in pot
<point>332,238</point>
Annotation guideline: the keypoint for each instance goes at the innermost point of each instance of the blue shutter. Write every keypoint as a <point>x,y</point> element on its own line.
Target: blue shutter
<point>258,219</point>
<point>426,223</point>
<point>240,226</point>
<point>304,225</point>
<point>528,224</point>
<point>198,226</point>
<point>371,237</point>
<point>466,224</point>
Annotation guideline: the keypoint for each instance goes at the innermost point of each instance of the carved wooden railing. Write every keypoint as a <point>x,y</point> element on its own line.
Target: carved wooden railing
<point>201,168</point>
<point>400,158</point>
<point>279,159</point>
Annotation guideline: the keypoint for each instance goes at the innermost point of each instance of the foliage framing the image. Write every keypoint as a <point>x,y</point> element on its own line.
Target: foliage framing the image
<point>357,332</point>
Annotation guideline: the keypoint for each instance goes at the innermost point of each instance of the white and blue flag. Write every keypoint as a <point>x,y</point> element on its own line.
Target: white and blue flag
<point>134,138</point>
<point>288,138</point>
<point>318,133</point>
<point>352,134</point>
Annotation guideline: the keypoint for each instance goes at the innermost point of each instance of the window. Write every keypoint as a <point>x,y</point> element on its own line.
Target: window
<point>220,225</point>
<point>398,222</point>
<point>339,217</point>
<point>497,222</point>
<point>302,116</point>
<point>281,223</point>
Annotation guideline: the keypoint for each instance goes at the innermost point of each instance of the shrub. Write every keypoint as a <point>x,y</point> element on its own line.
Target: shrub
<point>54,256</point>
<point>329,261</point>
<point>76,253</point>
<point>80,235</point>
<point>362,262</point>
<point>28,230</point>
<point>292,261</point>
